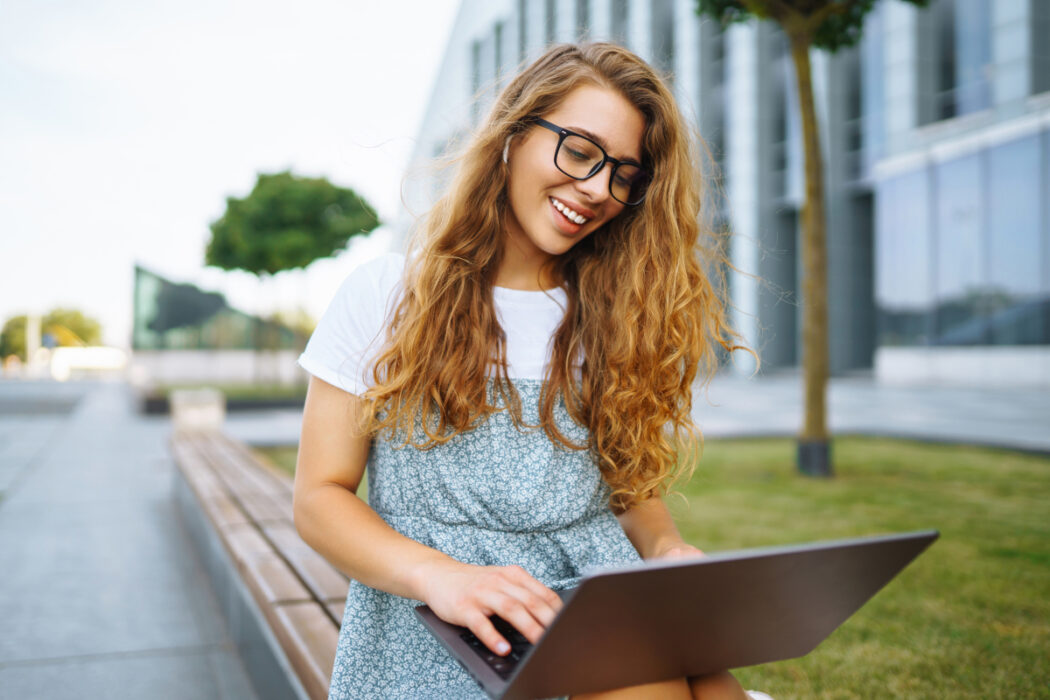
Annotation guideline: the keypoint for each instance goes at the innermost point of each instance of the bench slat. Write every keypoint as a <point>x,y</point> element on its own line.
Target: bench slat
<point>310,639</point>
<point>269,574</point>
<point>324,580</point>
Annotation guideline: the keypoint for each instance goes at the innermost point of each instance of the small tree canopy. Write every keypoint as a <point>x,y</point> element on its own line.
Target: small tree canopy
<point>66,326</point>
<point>287,222</point>
<point>839,23</point>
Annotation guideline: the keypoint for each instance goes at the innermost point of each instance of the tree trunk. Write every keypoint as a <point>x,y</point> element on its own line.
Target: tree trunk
<point>813,449</point>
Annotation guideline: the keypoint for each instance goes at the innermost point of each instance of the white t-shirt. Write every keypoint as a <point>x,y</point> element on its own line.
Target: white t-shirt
<point>351,333</point>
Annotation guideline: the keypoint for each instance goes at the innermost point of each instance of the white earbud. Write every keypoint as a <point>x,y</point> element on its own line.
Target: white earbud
<point>506,148</point>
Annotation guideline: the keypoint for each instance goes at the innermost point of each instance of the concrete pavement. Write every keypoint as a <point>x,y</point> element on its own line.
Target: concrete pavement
<point>101,595</point>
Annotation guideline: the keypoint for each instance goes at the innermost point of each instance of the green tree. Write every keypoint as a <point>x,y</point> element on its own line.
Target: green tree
<point>287,222</point>
<point>67,327</point>
<point>13,338</point>
<point>828,25</point>
<point>72,327</point>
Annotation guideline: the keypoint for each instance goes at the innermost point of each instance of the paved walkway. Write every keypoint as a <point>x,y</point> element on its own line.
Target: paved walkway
<point>1014,418</point>
<point>101,593</point>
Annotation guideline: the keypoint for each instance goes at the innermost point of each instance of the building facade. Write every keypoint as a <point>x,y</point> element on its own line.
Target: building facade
<point>936,139</point>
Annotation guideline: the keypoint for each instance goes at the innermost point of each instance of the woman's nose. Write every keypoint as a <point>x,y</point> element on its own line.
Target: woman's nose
<point>596,187</point>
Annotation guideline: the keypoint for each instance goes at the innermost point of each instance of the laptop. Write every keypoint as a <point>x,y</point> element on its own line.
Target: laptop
<point>666,619</point>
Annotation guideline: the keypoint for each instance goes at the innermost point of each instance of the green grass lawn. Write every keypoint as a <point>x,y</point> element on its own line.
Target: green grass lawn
<point>970,618</point>
<point>281,457</point>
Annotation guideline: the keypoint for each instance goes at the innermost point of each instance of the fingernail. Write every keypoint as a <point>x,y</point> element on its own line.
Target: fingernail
<point>503,647</point>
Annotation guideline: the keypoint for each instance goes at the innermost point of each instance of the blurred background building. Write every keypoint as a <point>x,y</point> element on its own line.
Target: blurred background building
<point>936,137</point>
<point>182,334</point>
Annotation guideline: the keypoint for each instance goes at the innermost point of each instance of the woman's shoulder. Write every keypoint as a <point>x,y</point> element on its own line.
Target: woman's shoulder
<point>374,279</point>
<point>384,268</point>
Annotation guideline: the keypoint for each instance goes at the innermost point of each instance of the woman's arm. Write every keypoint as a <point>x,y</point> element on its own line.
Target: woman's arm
<point>652,531</point>
<point>329,516</point>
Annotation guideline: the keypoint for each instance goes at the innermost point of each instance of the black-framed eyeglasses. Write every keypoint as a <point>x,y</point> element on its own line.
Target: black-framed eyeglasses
<point>581,158</point>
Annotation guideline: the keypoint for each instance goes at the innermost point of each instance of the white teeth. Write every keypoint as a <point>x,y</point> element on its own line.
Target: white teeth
<point>569,213</point>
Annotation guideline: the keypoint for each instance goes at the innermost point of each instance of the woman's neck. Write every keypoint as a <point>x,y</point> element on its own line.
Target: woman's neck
<point>524,267</point>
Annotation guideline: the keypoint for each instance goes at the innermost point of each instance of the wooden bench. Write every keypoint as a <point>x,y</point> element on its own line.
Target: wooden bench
<point>247,506</point>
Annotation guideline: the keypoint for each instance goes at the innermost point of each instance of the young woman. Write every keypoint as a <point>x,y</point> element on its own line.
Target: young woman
<point>517,388</point>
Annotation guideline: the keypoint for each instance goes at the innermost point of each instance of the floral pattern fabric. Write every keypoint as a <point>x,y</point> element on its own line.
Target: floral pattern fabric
<point>495,495</point>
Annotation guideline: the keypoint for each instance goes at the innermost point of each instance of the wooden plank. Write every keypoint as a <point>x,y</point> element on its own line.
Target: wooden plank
<point>271,580</point>
<point>336,608</point>
<point>195,468</point>
<point>223,512</point>
<point>310,639</point>
<point>262,508</point>
<point>324,580</point>
<point>245,541</point>
<point>280,481</point>
<point>255,476</point>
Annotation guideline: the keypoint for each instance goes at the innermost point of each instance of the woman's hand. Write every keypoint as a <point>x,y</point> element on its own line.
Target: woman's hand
<point>652,531</point>
<point>466,595</point>
<point>678,550</point>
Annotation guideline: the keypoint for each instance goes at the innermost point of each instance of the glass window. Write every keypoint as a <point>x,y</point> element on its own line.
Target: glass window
<point>960,255</point>
<point>961,35</point>
<point>618,10</point>
<point>475,80</point>
<point>973,30</point>
<point>1016,193</point>
<point>712,103</point>
<point>583,17</point>
<point>872,88</point>
<point>498,39</point>
<point>903,288</point>
<point>523,34</point>
<point>1040,51</point>
<point>551,20</point>
<point>661,34</point>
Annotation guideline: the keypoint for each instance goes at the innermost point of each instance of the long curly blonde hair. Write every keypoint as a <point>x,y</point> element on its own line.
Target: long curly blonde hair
<point>643,313</point>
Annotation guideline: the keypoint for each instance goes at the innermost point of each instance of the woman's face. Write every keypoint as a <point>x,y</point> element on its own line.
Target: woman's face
<point>551,212</point>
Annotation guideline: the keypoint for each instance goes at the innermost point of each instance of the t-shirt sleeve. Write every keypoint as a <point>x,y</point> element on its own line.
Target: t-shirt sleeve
<point>350,334</point>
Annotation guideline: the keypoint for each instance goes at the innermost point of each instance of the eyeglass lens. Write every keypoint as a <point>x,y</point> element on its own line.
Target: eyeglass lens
<point>580,158</point>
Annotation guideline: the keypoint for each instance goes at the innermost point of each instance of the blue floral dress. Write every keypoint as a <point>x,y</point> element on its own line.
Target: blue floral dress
<point>496,495</point>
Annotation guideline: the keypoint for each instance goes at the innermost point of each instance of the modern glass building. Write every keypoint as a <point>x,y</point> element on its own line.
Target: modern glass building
<point>936,138</point>
<point>173,316</point>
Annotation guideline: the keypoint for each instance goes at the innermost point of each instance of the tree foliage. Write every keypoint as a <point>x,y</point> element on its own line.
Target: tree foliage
<point>836,24</point>
<point>287,222</point>
<point>67,327</point>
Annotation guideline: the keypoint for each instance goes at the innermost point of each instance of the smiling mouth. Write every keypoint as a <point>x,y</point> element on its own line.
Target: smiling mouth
<point>569,213</point>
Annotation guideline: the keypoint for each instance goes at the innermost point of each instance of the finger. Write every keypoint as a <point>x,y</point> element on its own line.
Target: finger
<point>512,610</point>
<point>484,630</point>
<point>683,552</point>
<point>538,608</point>
<point>548,597</point>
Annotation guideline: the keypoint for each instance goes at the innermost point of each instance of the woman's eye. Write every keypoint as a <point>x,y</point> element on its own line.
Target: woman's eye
<point>577,155</point>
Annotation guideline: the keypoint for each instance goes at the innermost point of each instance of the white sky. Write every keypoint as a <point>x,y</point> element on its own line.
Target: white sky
<point>125,124</point>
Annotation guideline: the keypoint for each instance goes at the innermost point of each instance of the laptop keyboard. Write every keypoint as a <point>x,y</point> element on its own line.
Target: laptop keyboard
<point>502,665</point>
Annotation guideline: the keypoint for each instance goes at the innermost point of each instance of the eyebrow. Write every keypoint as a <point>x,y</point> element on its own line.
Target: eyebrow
<point>601,142</point>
